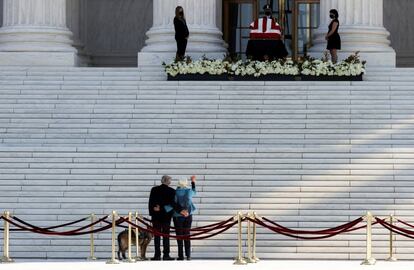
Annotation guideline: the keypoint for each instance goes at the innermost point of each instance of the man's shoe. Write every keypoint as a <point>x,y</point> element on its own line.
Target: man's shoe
<point>156,259</point>
<point>167,258</point>
<point>188,258</point>
<point>180,259</point>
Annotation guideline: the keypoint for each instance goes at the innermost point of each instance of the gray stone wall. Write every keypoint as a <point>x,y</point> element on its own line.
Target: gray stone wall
<point>115,30</point>
<point>397,19</point>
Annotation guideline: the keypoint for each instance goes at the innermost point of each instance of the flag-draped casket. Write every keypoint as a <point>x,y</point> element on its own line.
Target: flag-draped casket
<point>265,28</point>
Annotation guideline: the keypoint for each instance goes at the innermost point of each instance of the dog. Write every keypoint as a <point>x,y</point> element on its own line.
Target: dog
<point>143,240</point>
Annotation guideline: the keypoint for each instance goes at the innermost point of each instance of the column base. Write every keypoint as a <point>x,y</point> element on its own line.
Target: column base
<point>39,59</point>
<point>157,58</point>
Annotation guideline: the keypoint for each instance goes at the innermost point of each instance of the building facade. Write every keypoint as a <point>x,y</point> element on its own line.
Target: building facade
<point>113,33</point>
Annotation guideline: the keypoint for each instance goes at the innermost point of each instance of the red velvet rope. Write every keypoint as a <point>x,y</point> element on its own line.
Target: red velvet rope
<point>283,232</point>
<point>65,232</point>
<point>217,226</point>
<point>405,223</point>
<point>66,224</point>
<point>220,226</point>
<point>389,225</point>
<point>35,229</point>
<point>360,227</point>
<point>395,229</point>
<point>120,226</point>
<point>197,229</point>
<point>201,228</point>
<point>325,231</point>
<point>54,227</point>
<point>195,236</point>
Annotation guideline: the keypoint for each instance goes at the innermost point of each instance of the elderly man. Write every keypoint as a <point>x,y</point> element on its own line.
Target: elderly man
<point>161,196</point>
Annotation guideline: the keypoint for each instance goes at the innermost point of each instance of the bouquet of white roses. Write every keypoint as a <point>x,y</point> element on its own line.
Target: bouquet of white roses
<point>352,66</point>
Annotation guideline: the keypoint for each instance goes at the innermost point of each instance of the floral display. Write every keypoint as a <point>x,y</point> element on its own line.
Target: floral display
<point>352,66</point>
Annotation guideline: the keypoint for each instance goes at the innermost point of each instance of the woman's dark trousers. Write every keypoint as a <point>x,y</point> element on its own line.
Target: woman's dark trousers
<point>182,227</point>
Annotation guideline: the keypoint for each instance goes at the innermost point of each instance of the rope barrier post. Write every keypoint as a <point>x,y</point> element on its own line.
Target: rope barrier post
<point>249,258</point>
<point>137,250</point>
<point>130,259</point>
<point>113,260</point>
<point>239,260</point>
<point>255,238</point>
<point>369,260</point>
<point>6,239</point>
<point>92,248</point>
<point>391,258</point>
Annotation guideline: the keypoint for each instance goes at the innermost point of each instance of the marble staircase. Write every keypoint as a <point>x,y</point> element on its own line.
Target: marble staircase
<point>306,154</point>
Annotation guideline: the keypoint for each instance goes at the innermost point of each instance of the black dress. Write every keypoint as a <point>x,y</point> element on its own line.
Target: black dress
<point>334,41</point>
<point>181,35</point>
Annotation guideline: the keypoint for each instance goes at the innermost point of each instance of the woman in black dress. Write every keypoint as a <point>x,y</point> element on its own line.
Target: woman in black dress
<point>333,38</point>
<point>181,33</point>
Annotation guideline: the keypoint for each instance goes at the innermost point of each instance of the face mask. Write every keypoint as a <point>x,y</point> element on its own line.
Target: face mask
<point>332,16</point>
<point>181,13</point>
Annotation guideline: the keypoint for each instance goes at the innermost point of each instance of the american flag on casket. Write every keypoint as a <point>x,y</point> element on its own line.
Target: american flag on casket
<point>265,28</point>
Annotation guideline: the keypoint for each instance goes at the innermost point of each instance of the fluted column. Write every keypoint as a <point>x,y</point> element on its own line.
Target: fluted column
<point>205,37</point>
<point>76,22</point>
<point>73,21</point>
<point>361,29</point>
<point>34,32</point>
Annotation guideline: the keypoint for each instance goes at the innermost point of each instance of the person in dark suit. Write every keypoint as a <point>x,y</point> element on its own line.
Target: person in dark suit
<point>181,32</point>
<point>161,196</point>
<point>333,38</point>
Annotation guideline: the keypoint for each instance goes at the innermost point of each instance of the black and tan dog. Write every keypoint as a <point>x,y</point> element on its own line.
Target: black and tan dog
<point>143,240</point>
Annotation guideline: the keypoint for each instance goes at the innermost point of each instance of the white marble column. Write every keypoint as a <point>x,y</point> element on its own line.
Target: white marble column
<point>361,29</point>
<point>34,33</point>
<point>205,37</point>
<point>73,21</point>
<point>76,22</point>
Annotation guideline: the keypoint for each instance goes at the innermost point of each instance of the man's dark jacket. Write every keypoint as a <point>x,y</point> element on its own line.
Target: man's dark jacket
<point>162,195</point>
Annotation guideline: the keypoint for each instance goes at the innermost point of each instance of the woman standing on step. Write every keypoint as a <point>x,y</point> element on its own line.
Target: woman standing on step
<point>333,38</point>
<point>181,33</point>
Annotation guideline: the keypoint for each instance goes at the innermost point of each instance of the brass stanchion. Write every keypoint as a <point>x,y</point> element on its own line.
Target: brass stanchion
<point>369,260</point>
<point>130,259</point>
<point>391,258</point>
<point>137,250</point>
<point>113,260</point>
<point>239,260</point>
<point>92,248</point>
<point>249,241</point>
<point>249,258</point>
<point>255,258</point>
<point>6,239</point>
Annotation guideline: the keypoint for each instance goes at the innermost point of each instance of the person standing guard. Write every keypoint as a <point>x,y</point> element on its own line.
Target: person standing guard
<point>181,33</point>
<point>333,37</point>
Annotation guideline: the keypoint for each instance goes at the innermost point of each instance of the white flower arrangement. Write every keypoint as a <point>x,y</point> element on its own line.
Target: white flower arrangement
<point>352,66</point>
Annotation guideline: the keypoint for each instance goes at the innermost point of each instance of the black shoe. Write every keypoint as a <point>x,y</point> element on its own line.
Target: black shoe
<point>180,259</point>
<point>156,259</point>
<point>168,258</point>
<point>188,258</point>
